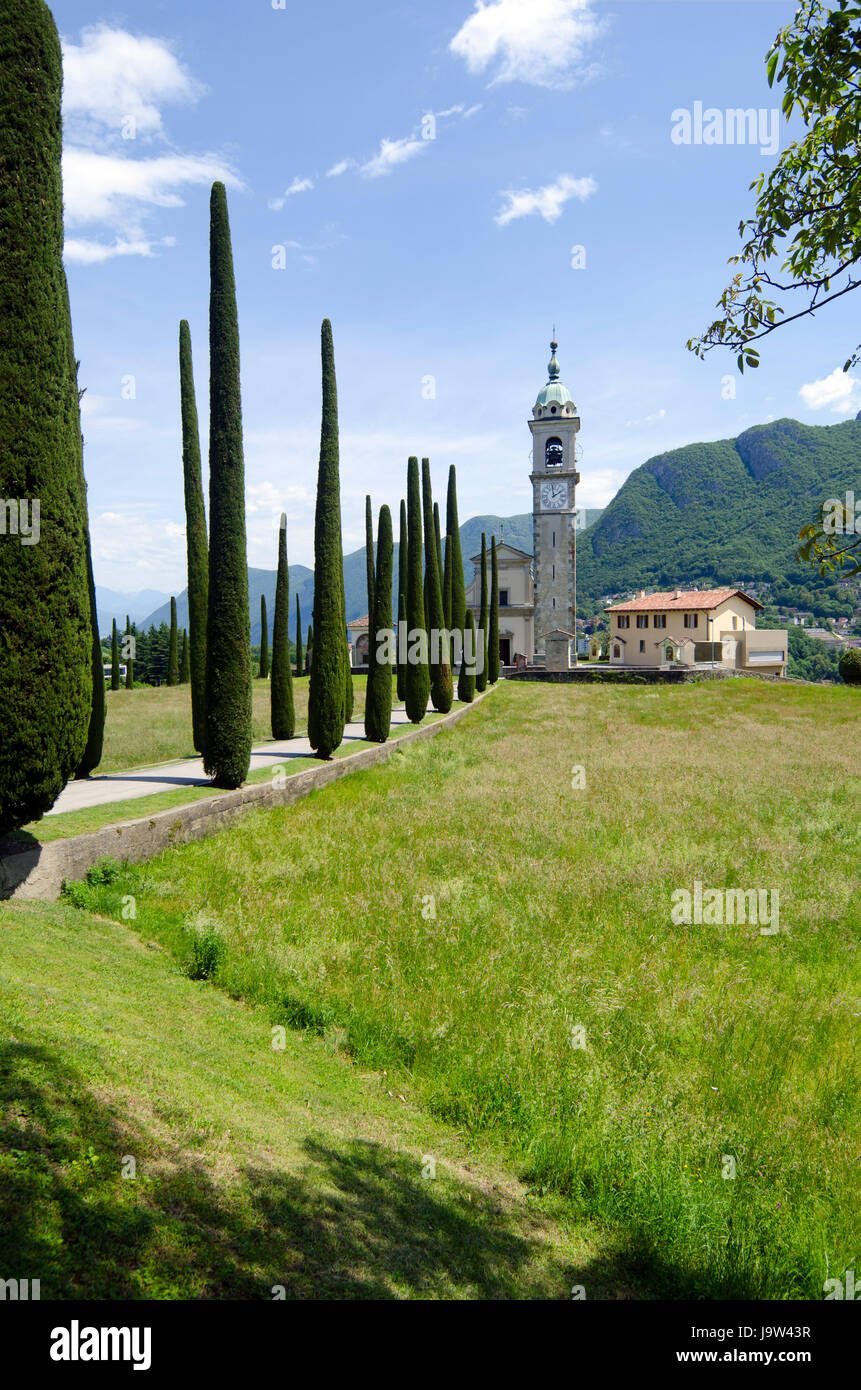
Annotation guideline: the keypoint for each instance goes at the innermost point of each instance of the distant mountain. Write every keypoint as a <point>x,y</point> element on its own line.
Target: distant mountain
<point>722,511</point>
<point>516,530</point>
<point>111,604</point>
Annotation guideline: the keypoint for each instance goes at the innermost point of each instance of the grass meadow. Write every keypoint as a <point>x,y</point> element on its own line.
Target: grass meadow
<point>497,938</point>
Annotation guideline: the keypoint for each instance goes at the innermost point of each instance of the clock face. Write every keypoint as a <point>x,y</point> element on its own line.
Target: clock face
<point>554,496</point>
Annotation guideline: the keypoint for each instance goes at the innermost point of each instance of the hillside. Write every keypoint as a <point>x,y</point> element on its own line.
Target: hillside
<point>725,511</point>
<point>517,530</point>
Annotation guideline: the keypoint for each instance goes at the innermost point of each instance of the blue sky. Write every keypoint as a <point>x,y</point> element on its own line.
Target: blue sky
<point>427,171</point>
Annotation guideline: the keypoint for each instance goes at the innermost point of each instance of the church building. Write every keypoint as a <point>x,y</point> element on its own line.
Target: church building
<point>536,592</point>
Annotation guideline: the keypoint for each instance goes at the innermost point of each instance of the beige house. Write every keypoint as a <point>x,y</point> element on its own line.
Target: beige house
<point>706,628</point>
<point>516,601</point>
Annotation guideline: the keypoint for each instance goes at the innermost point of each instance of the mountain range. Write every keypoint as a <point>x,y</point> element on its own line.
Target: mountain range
<point>726,511</point>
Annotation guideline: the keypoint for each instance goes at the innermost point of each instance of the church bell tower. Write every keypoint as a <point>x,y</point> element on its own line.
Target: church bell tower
<point>554,426</point>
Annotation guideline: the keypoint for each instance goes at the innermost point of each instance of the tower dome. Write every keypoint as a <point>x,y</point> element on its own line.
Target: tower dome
<point>554,398</point>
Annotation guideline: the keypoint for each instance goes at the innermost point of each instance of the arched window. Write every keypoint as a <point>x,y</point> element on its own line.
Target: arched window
<point>669,654</point>
<point>554,453</point>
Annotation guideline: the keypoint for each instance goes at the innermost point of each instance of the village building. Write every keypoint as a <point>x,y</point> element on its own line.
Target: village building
<point>711,628</point>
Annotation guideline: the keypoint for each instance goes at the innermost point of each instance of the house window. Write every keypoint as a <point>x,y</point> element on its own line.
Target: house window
<point>660,620</point>
<point>669,654</point>
<point>691,620</point>
<point>642,645</point>
<point>616,653</point>
<point>623,620</point>
<point>642,620</point>
<point>503,598</point>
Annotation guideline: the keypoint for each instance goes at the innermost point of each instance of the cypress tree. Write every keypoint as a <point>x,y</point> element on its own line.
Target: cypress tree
<point>197,546</point>
<point>228,629</point>
<point>402,598</point>
<point>308,645</point>
<point>456,615</point>
<point>369,557</point>
<point>98,710</point>
<point>417,674</point>
<point>349,698</point>
<point>300,667</point>
<point>264,638</point>
<point>46,668</point>
<point>330,686</point>
<point>185,661</point>
<point>378,701</point>
<point>441,688</point>
<point>481,635</point>
<point>369,565</point>
<point>466,679</point>
<point>493,638</point>
<point>128,653</point>
<point>281,694</point>
<point>436,532</point>
<point>115,657</point>
<point>173,648</point>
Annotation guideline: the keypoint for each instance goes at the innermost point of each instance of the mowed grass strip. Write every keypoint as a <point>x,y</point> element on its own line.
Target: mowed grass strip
<point>154,1144</point>
<point>470,919</point>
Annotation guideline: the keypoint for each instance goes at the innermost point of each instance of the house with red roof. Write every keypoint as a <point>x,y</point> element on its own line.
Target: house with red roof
<point>688,628</point>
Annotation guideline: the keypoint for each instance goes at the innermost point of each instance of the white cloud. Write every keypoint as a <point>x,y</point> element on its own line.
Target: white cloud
<point>113,76</point>
<point>391,153</point>
<point>541,42</point>
<point>82,252</point>
<point>297,186</point>
<point>340,168</point>
<point>547,201</point>
<point>838,390</point>
<point>648,419</point>
<point>106,187</point>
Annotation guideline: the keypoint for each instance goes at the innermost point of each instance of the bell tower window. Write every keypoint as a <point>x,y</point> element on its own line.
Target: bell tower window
<point>554,453</point>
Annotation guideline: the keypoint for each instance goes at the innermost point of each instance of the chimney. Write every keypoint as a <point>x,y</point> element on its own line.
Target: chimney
<point>641,593</point>
<point>677,593</point>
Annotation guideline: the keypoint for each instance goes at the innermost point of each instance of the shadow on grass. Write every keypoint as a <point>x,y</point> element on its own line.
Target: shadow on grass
<point>360,1221</point>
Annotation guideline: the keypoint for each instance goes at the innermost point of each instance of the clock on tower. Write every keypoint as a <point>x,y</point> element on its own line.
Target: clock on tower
<point>554,477</point>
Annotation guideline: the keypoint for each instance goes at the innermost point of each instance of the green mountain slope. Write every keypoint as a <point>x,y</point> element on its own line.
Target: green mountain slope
<point>725,511</point>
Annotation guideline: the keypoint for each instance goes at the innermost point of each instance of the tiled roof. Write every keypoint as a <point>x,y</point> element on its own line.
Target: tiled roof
<point>360,622</point>
<point>687,600</point>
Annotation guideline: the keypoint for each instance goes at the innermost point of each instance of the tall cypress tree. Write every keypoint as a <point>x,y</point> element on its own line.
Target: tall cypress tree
<point>378,701</point>
<point>264,639</point>
<point>46,636</point>
<point>417,674</point>
<point>98,710</point>
<point>369,565</point>
<point>282,705</point>
<point>441,688</point>
<point>309,642</point>
<point>197,546</point>
<point>330,674</point>
<point>493,638</point>
<point>228,629</point>
<point>369,557</point>
<point>481,635</point>
<point>402,598</point>
<point>115,656</point>
<point>300,660</point>
<point>185,660</point>
<point>456,615</point>
<point>173,648</point>
<point>128,653</point>
<point>466,678</point>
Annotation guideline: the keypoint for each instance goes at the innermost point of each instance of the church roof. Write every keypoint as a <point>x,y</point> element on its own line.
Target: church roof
<point>554,392</point>
<point>503,545</point>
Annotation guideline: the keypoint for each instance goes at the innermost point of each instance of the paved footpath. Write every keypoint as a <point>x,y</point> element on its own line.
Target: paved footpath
<point>188,772</point>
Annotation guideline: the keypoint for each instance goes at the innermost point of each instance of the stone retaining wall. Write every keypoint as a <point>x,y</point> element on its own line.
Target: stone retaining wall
<point>37,871</point>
